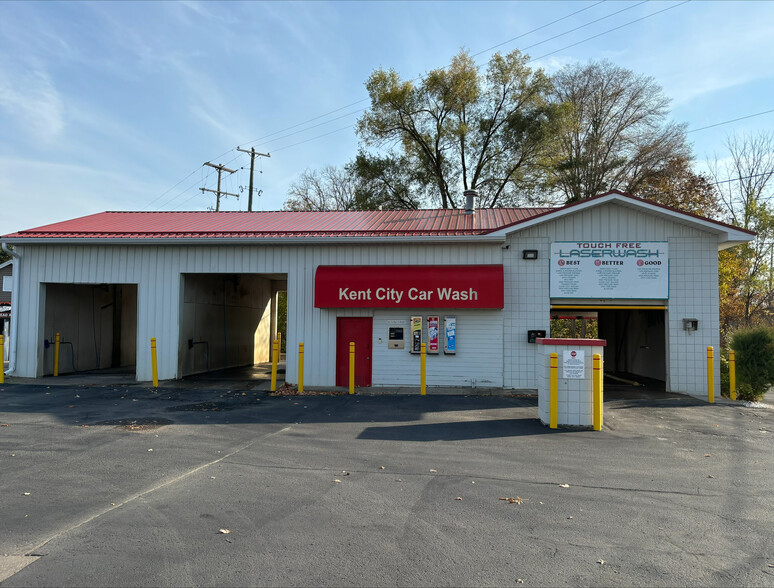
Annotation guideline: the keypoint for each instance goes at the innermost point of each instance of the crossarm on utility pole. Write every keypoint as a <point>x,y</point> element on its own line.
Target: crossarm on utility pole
<point>218,192</point>
<point>253,153</point>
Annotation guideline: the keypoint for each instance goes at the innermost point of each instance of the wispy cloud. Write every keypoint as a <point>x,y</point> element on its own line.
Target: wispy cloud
<point>29,97</point>
<point>63,190</point>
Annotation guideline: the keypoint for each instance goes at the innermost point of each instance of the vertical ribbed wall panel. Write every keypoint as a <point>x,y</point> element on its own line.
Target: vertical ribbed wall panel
<point>692,288</point>
<point>157,272</point>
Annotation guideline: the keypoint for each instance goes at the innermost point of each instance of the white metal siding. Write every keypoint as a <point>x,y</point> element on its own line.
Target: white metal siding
<point>477,363</point>
<point>156,269</point>
<point>693,289</point>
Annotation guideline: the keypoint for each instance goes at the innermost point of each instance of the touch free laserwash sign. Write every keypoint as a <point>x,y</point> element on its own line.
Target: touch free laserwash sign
<point>609,269</point>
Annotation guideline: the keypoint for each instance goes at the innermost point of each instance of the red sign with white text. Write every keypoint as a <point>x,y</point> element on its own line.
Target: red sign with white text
<point>409,286</point>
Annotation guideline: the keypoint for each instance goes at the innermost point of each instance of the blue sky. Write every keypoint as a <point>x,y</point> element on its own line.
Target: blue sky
<point>116,105</point>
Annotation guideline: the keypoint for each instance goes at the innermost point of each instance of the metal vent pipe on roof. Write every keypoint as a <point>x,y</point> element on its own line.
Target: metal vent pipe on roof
<point>470,201</point>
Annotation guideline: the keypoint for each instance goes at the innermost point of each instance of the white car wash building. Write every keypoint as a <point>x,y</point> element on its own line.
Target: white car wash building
<point>476,286</point>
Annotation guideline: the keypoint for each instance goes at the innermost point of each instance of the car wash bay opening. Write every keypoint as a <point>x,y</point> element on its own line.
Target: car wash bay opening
<point>205,286</point>
<point>636,337</point>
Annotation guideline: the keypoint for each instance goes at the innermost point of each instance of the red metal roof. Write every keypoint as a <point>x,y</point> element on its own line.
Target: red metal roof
<point>290,224</point>
<point>371,223</point>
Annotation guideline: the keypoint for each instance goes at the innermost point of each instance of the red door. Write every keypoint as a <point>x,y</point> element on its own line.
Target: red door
<point>357,329</point>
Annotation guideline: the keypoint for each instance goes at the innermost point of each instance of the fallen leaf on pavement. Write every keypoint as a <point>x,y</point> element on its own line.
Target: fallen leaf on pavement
<point>564,485</point>
<point>710,476</point>
<point>459,497</point>
<point>337,481</point>
<point>381,467</point>
<point>3,425</point>
<point>224,531</point>
<point>601,561</point>
<point>26,493</point>
<point>433,471</point>
<point>150,449</point>
<point>707,455</point>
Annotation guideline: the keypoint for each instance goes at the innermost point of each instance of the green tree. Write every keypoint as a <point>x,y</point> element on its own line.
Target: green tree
<point>459,129</point>
<point>616,134</point>
<point>745,181</point>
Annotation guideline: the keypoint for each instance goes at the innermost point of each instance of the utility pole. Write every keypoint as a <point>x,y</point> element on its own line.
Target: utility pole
<point>252,154</point>
<point>218,192</point>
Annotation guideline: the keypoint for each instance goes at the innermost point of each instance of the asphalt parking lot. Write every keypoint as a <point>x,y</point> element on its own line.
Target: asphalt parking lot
<point>123,485</point>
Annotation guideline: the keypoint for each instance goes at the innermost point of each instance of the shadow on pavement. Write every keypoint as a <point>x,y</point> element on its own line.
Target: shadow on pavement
<point>460,430</point>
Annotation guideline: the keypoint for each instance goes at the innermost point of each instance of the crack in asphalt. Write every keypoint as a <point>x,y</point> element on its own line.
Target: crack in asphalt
<point>467,475</point>
<point>36,548</point>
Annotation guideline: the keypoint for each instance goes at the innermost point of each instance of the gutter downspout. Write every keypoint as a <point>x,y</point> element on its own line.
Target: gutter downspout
<point>14,308</point>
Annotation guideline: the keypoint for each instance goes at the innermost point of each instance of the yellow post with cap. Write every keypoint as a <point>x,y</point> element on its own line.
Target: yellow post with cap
<point>274,362</point>
<point>423,369</point>
<point>351,367</point>
<point>710,375</point>
<point>553,388</point>
<point>300,367</point>
<point>597,392</point>
<point>732,374</point>
<point>154,363</point>
<point>57,340</point>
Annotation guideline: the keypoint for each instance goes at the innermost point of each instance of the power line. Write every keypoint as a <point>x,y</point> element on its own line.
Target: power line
<point>553,22</point>
<point>531,60</point>
<point>769,173</point>
<point>314,138</point>
<point>479,53</point>
<point>613,29</point>
<point>725,122</point>
<point>366,99</point>
<point>359,110</point>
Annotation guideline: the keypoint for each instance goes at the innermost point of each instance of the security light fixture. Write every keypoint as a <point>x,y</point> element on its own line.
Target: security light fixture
<point>529,254</point>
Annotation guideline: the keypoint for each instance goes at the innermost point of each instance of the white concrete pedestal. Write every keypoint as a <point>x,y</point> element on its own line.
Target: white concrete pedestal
<point>575,370</point>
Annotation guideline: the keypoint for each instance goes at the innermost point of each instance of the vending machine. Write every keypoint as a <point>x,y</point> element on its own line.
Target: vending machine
<point>416,334</point>
<point>432,334</point>
<point>450,330</point>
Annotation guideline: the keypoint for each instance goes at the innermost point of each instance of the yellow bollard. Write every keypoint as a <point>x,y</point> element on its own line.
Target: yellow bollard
<point>732,374</point>
<point>710,376</point>
<point>56,354</point>
<point>300,367</point>
<point>597,392</point>
<point>2,369</point>
<point>423,369</point>
<point>351,367</point>
<point>154,363</point>
<point>274,362</point>
<point>553,387</point>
